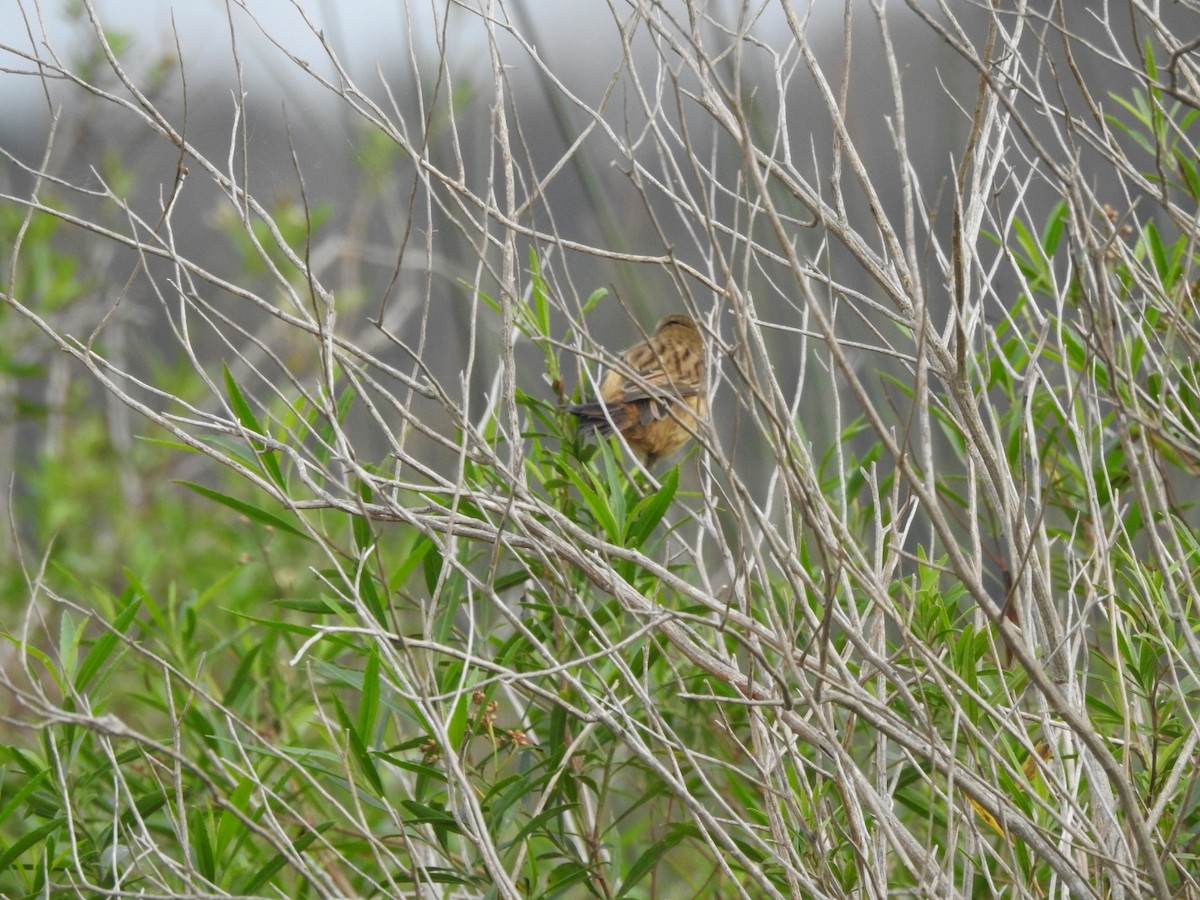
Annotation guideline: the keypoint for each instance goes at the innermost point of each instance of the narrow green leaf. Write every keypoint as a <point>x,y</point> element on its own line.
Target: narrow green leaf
<point>651,857</point>
<point>276,624</point>
<point>1188,173</point>
<point>245,415</point>
<point>250,512</point>
<point>433,562</point>
<point>541,303</point>
<point>567,876</point>
<point>69,636</point>
<point>362,757</point>
<point>23,843</point>
<point>237,400</point>
<point>456,728</point>
<point>241,679</point>
<point>1154,245</point>
<point>106,643</point>
<point>37,654</point>
<point>369,703</point>
<point>322,606</point>
<point>440,875</point>
<point>229,827</point>
<point>616,485</point>
<point>35,781</point>
<point>1056,223</point>
<point>369,594</point>
<point>411,559</point>
<point>268,871</point>
<point>364,534</point>
<point>539,820</point>
<point>494,304</point>
<point>593,298</point>
<point>597,504</point>
<point>428,815</point>
<point>650,510</point>
<point>345,401</point>
<point>202,843</point>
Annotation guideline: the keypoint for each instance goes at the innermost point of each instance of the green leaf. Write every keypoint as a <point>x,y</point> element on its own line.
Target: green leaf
<point>456,727</point>
<point>369,594</point>
<point>69,636</point>
<point>648,512</point>
<point>105,644</point>
<point>428,815</point>
<point>541,301</point>
<point>368,705</point>
<point>1188,173</point>
<point>322,606</point>
<point>231,828</point>
<point>23,843</point>
<point>245,415</point>
<point>1056,224</point>
<point>652,855</point>
<point>241,679</point>
<point>237,400</point>
<point>597,504</point>
<point>364,534</point>
<point>41,656</point>
<point>540,819</point>
<point>593,298</point>
<point>362,756</point>
<point>250,512</point>
<point>410,559</point>
<point>1031,259</point>
<point>616,485</point>
<point>36,779</point>
<point>433,562</point>
<point>268,871</point>
<point>1158,253</point>
<point>510,580</point>
<point>199,824</point>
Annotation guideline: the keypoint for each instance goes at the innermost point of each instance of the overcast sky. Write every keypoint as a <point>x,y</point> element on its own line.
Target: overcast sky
<point>366,34</point>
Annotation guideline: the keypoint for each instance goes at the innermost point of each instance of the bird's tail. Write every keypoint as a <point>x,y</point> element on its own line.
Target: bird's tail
<point>605,420</point>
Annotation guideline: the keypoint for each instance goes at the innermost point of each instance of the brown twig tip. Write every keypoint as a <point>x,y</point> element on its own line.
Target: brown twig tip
<point>656,395</point>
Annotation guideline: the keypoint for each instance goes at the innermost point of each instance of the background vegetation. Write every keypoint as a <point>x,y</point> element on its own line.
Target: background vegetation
<point>312,590</point>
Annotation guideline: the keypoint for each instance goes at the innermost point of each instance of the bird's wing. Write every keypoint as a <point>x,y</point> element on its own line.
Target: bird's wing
<point>662,372</point>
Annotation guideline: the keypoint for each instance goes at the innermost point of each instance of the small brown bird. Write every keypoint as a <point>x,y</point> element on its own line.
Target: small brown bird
<point>655,398</point>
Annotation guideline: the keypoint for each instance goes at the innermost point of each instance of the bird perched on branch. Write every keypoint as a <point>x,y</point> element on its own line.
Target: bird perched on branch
<point>656,396</point>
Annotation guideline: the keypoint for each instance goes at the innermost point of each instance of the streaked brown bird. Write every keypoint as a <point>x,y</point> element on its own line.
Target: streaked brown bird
<point>656,397</point>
